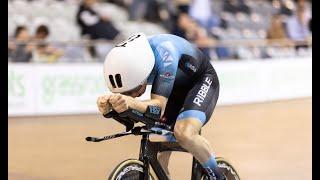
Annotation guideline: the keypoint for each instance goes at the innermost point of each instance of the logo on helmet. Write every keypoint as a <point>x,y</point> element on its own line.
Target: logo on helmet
<point>131,38</point>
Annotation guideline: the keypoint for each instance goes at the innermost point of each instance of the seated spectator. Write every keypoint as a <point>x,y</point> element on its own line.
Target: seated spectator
<point>93,24</point>
<point>19,50</point>
<point>182,22</point>
<point>42,33</point>
<point>45,52</point>
<point>276,28</point>
<point>297,27</point>
<point>167,14</point>
<point>276,36</point>
<point>152,11</point>
<point>189,29</point>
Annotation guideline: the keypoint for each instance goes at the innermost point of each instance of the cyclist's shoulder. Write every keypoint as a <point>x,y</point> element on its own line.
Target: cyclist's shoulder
<point>163,37</point>
<point>159,39</point>
<point>172,43</point>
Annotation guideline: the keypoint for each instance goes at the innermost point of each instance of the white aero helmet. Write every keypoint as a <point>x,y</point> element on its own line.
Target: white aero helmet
<point>128,64</point>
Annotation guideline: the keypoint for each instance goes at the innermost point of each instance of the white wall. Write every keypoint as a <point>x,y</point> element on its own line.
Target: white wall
<point>47,89</point>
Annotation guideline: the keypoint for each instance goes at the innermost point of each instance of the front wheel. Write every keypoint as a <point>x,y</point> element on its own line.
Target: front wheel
<point>130,169</point>
<point>226,168</point>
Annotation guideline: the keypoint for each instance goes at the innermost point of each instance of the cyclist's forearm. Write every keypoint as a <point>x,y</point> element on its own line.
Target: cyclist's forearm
<point>142,105</point>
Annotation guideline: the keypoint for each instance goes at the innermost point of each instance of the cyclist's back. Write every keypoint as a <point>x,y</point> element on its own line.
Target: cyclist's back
<point>180,74</point>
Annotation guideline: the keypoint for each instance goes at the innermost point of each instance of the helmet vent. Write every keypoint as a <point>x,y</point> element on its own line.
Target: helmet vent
<point>112,81</point>
<point>118,80</point>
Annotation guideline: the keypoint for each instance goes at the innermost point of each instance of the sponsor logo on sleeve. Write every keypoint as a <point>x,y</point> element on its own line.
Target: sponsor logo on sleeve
<point>167,59</point>
<point>190,66</point>
<point>165,51</point>
<point>167,75</point>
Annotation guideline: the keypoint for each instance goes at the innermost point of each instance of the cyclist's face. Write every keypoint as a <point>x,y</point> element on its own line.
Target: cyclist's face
<point>137,92</point>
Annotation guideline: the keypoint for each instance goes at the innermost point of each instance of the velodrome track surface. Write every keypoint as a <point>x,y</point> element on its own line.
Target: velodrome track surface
<point>264,141</point>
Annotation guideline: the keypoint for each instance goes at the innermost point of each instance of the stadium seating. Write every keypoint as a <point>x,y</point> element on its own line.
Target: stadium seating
<point>59,16</point>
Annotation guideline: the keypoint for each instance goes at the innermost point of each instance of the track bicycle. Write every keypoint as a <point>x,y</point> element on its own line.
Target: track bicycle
<point>139,169</point>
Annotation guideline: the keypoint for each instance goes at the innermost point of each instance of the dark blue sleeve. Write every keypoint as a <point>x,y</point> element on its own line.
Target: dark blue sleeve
<point>167,58</point>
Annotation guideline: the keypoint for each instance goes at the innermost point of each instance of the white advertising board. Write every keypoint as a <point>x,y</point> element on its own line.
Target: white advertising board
<point>49,89</point>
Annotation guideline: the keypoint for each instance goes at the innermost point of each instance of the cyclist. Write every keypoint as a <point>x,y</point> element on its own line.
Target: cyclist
<point>184,85</point>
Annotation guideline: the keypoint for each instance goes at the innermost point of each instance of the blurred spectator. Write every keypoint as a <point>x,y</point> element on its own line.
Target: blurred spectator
<point>181,24</point>
<point>297,26</point>
<point>44,52</point>
<point>137,9</point>
<point>234,6</point>
<point>96,26</point>
<point>189,29</point>
<point>19,50</point>
<point>303,3</point>
<point>42,33</point>
<point>277,35</point>
<point>153,11</point>
<point>276,29</point>
<point>93,24</point>
<point>200,10</point>
<point>149,10</point>
<point>168,13</point>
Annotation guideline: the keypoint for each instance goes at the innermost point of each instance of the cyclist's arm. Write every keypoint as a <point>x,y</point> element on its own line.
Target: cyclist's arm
<point>156,100</point>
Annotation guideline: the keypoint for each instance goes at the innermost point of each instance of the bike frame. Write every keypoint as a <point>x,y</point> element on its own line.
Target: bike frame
<point>148,150</point>
<point>148,155</point>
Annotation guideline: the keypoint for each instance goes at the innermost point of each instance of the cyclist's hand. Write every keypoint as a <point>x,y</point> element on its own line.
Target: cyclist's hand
<point>103,104</point>
<point>119,102</point>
